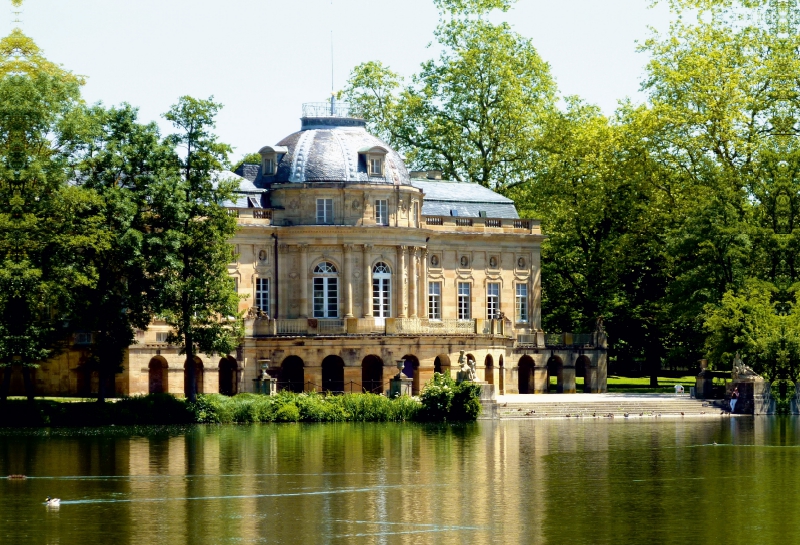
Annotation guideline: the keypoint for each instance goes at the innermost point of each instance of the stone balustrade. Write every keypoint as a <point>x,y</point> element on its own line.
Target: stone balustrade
<point>301,327</point>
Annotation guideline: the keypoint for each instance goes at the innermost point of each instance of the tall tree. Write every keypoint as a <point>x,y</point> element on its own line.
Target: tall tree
<point>187,244</point>
<point>475,112</point>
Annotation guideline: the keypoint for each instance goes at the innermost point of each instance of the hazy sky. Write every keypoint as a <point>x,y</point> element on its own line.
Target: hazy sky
<point>263,58</point>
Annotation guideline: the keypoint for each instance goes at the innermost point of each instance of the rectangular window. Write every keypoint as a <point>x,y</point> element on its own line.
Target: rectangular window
<point>464,311</point>
<point>492,301</point>
<point>161,336</point>
<point>326,297</point>
<point>435,300</point>
<point>376,166</point>
<point>325,211</point>
<point>262,294</point>
<point>269,167</point>
<point>521,304</point>
<point>382,212</point>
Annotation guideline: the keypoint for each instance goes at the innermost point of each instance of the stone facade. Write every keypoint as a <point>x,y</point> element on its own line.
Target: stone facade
<point>346,270</point>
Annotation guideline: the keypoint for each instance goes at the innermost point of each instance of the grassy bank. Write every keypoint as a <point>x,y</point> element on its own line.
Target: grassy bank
<point>442,400</point>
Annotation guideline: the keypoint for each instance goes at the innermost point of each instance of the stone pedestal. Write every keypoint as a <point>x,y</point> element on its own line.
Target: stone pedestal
<point>266,386</point>
<point>488,401</point>
<point>755,396</point>
<point>400,386</point>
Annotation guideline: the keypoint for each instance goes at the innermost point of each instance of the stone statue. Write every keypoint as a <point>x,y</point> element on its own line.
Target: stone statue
<point>466,371</point>
<point>740,369</point>
<point>599,327</point>
<point>473,372</point>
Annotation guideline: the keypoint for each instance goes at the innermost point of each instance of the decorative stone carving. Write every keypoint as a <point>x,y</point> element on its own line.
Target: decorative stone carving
<point>493,262</point>
<point>294,204</point>
<point>521,263</point>
<point>464,261</point>
<point>262,255</point>
<point>356,204</point>
<point>434,260</point>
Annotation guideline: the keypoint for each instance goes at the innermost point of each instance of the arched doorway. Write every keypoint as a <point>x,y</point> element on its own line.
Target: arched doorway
<point>411,370</point>
<point>158,376</point>
<point>555,368</point>
<point>228,376</point>
<point>442,364</point>
<point>525,377</point>
<point>502,376</point>
<point>333,375</point>
<point>198,377</point>
<point>582,366</point>
<point>291,377</point>
<point>488,369</point>
<point>372,374</point>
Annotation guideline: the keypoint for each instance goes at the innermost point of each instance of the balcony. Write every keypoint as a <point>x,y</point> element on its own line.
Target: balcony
<point>559,340</point>
<point>483,225</point>
<point>310,327</point>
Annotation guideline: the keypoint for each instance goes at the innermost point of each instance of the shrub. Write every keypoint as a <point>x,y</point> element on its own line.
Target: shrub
<point>445,401</point>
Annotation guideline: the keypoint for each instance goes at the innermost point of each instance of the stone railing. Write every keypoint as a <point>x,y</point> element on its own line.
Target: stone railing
<point>489,225</point>
<point>261,216</point>
<point>302,327</point>
<point>571,340</point>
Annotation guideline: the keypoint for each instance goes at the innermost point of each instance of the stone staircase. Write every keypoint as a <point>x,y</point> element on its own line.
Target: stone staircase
<point>618,407</point>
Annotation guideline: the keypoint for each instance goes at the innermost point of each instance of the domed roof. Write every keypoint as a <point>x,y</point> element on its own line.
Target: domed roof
<point>335,149</point>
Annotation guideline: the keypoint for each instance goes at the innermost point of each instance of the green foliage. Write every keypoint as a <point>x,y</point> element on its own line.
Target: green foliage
<point>474,113</point>
<point>444,400</point>
<point>250,159</point>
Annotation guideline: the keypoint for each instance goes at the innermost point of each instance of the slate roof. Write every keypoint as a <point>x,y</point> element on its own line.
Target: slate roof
<point>467,199</point>
<point>329,152</point>
<point>248,195</point>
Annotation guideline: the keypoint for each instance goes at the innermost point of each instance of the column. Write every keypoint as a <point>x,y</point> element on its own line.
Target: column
<point>282,280</point>
<point>303,280</point>
<point>367,281</point>
<point>423,283</point>
<point>413,298</point>
<point>401,280</point>
<point>347,281</point>
<point>536,292</point>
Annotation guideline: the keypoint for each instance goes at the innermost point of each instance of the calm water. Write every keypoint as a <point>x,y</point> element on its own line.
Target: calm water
<point>555,481</point>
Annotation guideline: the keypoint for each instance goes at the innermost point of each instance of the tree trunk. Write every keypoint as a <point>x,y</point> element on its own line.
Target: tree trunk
<point>653,366</point>
<point>191,380</point>
<point>6,383</point>
<point>26,377</point>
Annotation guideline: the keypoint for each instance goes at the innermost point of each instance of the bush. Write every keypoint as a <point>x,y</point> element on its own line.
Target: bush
<point>444,400</point>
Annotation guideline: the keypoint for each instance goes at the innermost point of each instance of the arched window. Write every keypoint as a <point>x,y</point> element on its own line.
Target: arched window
<point>326,291</point>
<point>381,291</point>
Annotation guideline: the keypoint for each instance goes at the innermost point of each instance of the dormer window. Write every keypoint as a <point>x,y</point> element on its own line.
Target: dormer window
<point>375,158</point>
<point>268,166</point>
<point>270,155</point>
<point>376,166</point>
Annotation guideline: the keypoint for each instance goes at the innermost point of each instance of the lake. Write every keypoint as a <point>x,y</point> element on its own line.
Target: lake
<point>524,481</point>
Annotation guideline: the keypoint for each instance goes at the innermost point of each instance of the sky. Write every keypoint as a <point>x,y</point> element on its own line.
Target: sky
<point>262,59</point>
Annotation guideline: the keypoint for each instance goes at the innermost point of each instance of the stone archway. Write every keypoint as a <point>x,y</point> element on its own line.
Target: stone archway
<point>488,369</point>
<point>333,375</point>
<point>525,375</point>
<point>442,364</point>
<point>290,376</point>
<point>583,367</point>
<point>372,374</point>
<point>198,377</point>
<point>228,376</point>
<point>411,370</point>
<point>502,375</point>
<point>157,376</point>
<point>555,367</point>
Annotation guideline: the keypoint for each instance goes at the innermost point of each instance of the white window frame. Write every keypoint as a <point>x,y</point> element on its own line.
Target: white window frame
<point>375,165</point>
<point>381,291</point>
<point>324,211</point>
<point>521,303</point>
<point>325,297</point>
<point>434,300</point>
<point>382,211</point>
<point>493,300</point>
<point>464,302</point>
<point>262,295</point>
<point>268,166</point>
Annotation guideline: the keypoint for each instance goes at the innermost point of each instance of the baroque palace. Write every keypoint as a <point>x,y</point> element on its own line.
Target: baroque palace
<point>352,265</point>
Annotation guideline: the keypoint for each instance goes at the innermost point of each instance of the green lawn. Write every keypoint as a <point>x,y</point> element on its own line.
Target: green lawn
<point>641,385</point>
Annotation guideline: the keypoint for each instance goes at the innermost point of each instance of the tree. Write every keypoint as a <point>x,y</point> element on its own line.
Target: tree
<point>119,160</point>
<point>475,113</point>
<point>45,223</point>
<point>187,242</point>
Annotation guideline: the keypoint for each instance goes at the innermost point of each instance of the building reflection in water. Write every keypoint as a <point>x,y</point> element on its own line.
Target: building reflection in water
<point>543,481</point>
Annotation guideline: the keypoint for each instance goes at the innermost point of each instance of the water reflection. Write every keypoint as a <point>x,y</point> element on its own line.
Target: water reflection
<point>594,481</point>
